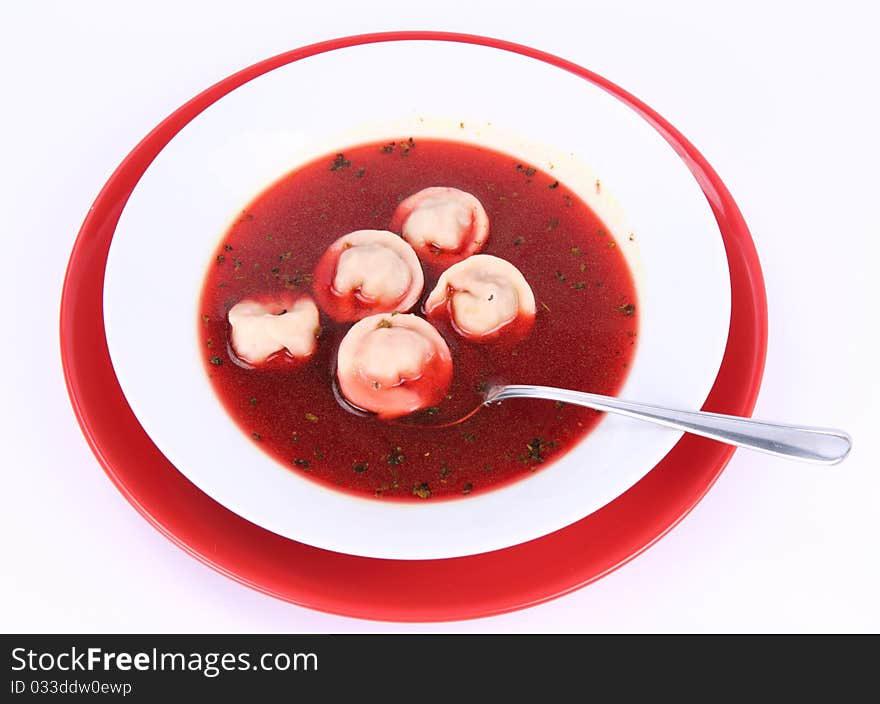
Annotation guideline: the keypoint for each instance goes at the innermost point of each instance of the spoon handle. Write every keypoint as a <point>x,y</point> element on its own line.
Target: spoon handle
<point>817,445</point>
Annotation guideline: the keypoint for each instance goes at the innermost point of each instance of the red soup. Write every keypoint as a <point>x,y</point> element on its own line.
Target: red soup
<point>583,337</point>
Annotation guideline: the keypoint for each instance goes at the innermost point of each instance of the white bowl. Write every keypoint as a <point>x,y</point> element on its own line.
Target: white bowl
<point>539,113</point>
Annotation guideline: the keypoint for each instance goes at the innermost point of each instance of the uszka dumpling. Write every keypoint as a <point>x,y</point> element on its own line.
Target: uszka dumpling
<point>263,331</point>
<point>444,225</point>
<point>367,272</point>
<point>485,298</point>
<point>393,365</point>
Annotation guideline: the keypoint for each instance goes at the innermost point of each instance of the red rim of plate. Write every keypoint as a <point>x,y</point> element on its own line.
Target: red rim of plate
<point>435,590</point>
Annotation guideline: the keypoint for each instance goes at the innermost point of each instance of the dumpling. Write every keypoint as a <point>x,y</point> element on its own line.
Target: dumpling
<point>444,225</point>
<point>367,272</point>
<point>484,297</point>
<point>262,329</point>
<point>393,365</point>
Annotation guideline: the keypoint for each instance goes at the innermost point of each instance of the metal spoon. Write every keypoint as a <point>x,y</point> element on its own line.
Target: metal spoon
<point>816,445</point>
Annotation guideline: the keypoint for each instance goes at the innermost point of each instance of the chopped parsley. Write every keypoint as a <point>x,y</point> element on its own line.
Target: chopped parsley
<point>422,490</point>
<point>396,456</point>
<point>340,162</point>
<point>628,310</point>
<point>467,488</point>
<point>535,451</point>
<point>311,417</point>
<point>216,361</point>
<point>360,467</point>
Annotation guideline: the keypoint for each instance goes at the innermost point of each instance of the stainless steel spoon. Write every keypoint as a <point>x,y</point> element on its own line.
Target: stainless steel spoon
<point>817,445</point>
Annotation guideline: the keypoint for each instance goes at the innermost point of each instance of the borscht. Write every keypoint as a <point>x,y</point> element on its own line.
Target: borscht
<point>369,298</point>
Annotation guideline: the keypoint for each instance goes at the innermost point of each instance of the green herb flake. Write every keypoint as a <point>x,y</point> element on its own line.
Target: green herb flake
<point>360,172</point>
<point>445,470</point>
<point>209,342</point>
<point>552,224</point>
<point>432,411</point>
<point>467,488</point>
<point>575,251</point>
<point>360,467</point>
<point>518,241</point>
<point>560,276</point>
<point>555,184</point>
<point>578,285</point>
<point>396,456</point>
<point>216,361</point>
<point>227,247</point>
<point>300,462</point>
<point>297,280</point>
<point>236,263</point>
<point>340,162</point>
<point>318,454</point>
<point>481,386</point>
<point>388,148</point>
<point>256,436</point>
<point>468,437</point>
<point>535,450</point>
<point>221,258</point>
<point>311,417</point>
<point>628,310</point>
<point>253,400</point>
<point>422,490</point>
<point>284,256</point>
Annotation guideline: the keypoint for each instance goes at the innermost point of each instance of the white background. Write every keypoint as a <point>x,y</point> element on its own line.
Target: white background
<point>781,98</point>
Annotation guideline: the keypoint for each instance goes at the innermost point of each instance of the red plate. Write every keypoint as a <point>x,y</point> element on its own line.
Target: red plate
<point>459,588</point>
